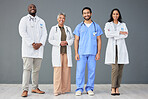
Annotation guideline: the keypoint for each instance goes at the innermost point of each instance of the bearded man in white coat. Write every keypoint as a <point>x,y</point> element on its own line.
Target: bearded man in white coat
<point>33,31</point>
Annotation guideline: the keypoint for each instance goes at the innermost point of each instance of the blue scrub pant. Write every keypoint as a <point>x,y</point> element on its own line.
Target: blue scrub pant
<point>80,72</point>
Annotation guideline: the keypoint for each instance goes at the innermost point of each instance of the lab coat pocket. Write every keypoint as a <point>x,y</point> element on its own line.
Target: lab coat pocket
<point>122,29</point>
<point>56,36</point>
<point>40,26</point>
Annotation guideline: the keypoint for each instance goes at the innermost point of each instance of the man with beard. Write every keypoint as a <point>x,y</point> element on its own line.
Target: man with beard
<point>33,31</point>
<point>87,50</point>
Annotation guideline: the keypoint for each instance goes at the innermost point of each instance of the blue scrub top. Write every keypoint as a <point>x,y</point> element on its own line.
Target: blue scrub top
<point>88,38</point>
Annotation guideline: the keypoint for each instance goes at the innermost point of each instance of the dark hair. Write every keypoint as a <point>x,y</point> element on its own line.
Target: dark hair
<point>86,8</point>
<point>111,18</point>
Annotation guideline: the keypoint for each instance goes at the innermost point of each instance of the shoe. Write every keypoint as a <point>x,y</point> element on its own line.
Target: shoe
<point>63,92</point>
<point>25,93</point>
<point>113,94</point>
<point>117,93</point>
<point>37,91</point>
<point>91,93</point>
<point>78,93</point>
<point>56,94</point>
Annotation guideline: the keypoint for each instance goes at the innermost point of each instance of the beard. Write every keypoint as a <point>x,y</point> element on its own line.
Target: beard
<point>87,18</point>
<point>32,13</point>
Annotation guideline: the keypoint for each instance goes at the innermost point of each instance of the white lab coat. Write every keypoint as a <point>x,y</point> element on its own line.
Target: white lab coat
<point>113,35</point>
<point>32,30</point>
<point>55,40</point>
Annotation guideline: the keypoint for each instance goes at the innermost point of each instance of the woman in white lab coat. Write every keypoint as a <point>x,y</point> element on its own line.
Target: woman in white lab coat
<point>116,51</point>
<point>61,39</point>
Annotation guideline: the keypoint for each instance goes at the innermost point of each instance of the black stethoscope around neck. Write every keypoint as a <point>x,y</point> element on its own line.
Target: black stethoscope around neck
<point>85,25</point>
<point>66,29</point>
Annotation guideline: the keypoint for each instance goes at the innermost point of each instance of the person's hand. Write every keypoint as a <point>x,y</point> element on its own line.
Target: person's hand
<point>124,33</point>
<point>63,43</point>
<point>66,42</point>
<point>97,56</point>
<point>33,44</point>
<point>77,57</point>
<point>36,46</point>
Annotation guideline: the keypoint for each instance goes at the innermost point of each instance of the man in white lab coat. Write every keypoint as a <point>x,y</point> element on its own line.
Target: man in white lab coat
<point>33,31</point>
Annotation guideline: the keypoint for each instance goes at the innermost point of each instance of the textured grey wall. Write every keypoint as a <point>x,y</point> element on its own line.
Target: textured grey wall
<point>134,13</point>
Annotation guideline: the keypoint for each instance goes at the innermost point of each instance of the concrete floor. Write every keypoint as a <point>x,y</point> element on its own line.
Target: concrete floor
<point>102,91</point>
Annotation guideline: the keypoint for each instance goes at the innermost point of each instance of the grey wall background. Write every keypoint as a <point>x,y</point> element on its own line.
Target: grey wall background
<point>134,13</point>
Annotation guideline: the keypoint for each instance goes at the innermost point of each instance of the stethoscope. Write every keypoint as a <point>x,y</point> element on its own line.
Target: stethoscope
<point>66,30</point>
<point>32,20</point>
<point>85,25</point>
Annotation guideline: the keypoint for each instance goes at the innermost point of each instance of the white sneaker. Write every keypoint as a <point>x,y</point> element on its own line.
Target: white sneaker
<point>56,94</point>
<point>91,93</point>
<point>78,93</point>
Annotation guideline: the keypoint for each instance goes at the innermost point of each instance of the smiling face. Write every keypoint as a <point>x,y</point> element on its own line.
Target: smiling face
<point>32,9</point>
<point>87,14</point>
<point>115,15</point>
<point>61,20</point>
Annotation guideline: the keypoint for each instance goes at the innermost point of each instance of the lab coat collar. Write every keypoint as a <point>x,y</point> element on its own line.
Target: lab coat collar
<point>36,18</point>
<point>112,24</point>
<point>58,26</point>
<point>117,24</point>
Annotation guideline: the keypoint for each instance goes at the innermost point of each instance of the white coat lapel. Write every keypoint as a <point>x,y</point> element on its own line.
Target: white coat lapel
<point>66,30</point>
<point>118,24</point>
<point>37,18</point>
<point>57,30</point>
<point>112,25</point>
